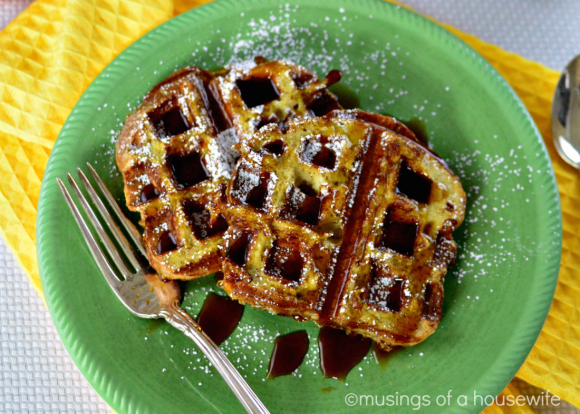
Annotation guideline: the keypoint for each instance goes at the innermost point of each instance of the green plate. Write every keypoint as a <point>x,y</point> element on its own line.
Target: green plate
<point>496,297</point>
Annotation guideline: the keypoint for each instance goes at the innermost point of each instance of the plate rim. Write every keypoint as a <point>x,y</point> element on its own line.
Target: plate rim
<point>123,402</point>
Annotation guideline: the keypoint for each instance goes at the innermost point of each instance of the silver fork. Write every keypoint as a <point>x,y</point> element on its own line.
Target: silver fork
<point>142,292</point>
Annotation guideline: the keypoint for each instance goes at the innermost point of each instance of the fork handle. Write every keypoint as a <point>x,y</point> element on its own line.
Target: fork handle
<point>181,320</point>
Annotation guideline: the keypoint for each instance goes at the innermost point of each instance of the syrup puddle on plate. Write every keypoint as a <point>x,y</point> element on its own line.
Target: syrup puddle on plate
<point>288,353</point>
<point>340,352</point>
<point>219,316</point>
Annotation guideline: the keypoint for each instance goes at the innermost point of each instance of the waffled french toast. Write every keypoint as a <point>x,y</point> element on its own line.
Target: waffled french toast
<point>344,222</point>
<point>342,217</point>
<point>175,152</point>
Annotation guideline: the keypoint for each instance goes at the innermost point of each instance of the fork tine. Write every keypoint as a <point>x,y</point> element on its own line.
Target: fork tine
<point>100,231</point>
<point>98,255</point>
<point>131,230</point>
<point>121,239</point>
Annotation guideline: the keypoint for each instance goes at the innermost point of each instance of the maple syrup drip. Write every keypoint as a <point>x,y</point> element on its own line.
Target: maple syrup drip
<point>257,91</point>
<point>149,192</point>
<point>188,170</point>
<point>398,236</point>
<point>238,252</point>
<point>340,352</point>
<point>288,353</point>
<point>334,76</point>
<point>218,276</point>
<point>275,147</point>
<point>384,357</point>
<point>166,243</point>
<point>219,316</point>
<point>413,185</point>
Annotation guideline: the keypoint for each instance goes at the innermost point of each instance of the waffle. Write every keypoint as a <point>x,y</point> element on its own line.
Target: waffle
<point>175,172</point>
<point>175,152</point>
<point>342,221</point>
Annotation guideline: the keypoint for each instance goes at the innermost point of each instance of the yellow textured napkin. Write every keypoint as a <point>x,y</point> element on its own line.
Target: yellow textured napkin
<point>53,50</point>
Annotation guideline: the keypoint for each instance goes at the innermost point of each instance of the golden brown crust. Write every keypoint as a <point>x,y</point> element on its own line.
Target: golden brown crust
<point>312,225</point>
<point>175,173</point>
<point>175,152</point>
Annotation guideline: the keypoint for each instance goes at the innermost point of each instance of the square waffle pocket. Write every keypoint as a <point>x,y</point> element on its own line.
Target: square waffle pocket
<point>339,220</point>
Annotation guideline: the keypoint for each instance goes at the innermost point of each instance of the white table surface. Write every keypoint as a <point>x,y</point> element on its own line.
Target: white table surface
<point>36,373</point>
